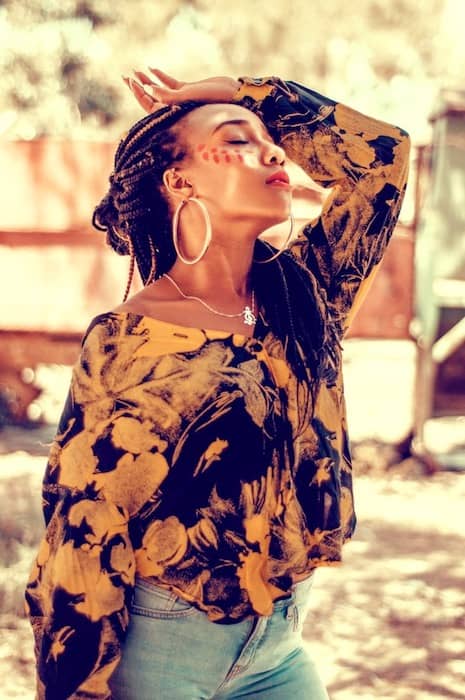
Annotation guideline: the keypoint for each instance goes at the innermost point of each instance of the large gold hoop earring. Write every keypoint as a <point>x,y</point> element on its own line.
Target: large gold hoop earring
<point>283,247</point>
<point>208,230</point>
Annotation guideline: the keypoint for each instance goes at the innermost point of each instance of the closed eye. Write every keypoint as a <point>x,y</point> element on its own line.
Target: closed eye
<point>237,141</point>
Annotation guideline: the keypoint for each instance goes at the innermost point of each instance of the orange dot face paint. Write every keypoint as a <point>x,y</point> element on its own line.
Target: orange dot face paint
<point>222,155</point>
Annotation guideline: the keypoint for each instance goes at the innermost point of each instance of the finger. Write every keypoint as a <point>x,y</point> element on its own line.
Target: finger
<point>144,99</point>
<point>158,92</point>
<point>143,78</point>
<point>166,79</point>
<point>161,93</point>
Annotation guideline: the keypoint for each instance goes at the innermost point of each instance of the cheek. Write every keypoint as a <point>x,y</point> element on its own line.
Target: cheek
<point>249,158</point>
<point>220,156</point>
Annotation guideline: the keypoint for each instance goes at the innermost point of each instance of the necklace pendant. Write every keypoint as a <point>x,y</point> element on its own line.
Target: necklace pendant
<point>249,316</point>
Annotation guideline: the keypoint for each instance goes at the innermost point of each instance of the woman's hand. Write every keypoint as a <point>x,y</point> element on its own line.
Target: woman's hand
<point>167,90</point>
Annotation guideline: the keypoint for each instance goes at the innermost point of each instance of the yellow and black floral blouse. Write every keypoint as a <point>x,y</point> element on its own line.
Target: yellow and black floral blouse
<point>177,459</point>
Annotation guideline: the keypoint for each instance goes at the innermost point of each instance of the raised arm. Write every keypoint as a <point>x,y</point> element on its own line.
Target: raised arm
<point>363,160</point>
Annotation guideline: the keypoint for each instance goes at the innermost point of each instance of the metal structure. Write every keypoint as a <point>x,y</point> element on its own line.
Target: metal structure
<point>439,324</point>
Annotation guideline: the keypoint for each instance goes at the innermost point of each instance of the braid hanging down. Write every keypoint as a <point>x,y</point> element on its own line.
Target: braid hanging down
<point>136,218</point>
<point>134,210</point>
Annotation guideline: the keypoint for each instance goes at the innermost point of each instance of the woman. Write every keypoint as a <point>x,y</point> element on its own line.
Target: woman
<point>201,471</point>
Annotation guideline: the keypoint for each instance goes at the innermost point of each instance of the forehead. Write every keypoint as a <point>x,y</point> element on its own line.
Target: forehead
<point>203,120</point>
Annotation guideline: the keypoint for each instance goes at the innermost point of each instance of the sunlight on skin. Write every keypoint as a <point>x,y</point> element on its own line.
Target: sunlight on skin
<point>223,156</point>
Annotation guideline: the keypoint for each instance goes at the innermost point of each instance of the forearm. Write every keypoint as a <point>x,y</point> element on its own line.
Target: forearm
<point>334,144</point>
<point>365,163</point>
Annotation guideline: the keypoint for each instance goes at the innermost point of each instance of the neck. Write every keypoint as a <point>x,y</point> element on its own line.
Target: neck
<point>223,273</point>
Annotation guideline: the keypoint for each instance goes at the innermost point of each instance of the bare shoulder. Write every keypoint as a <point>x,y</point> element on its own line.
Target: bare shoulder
<point>160,302</point>
<point>150,301</point>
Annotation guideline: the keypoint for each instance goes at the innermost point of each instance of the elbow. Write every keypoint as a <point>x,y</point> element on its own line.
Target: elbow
<point>401,161</point>
<point>405,143</point>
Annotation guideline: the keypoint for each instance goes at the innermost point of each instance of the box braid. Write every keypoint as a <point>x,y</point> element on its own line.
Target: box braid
<point>297,312</point>
<point>134,213</point>
<point>136,218</point>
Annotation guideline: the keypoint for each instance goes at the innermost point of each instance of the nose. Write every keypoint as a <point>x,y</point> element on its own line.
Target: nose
<point>273,154</point>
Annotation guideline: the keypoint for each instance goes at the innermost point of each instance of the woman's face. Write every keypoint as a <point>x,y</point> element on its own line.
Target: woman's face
<point>234,166</point>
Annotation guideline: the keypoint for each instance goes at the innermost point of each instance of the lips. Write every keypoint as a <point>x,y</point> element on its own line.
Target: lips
<point>279,178</point>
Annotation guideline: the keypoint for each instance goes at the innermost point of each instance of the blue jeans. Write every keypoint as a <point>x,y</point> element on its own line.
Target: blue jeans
<point>174,652</point>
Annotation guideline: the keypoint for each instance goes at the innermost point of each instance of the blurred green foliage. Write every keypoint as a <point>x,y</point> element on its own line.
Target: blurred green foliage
<point>48,49</point>
<point>60,60</point>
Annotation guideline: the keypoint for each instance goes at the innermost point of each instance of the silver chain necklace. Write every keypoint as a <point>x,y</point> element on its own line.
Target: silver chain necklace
<point>247,313</point>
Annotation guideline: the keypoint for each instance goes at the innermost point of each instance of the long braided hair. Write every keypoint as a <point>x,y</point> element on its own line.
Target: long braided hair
<point>136,218</point>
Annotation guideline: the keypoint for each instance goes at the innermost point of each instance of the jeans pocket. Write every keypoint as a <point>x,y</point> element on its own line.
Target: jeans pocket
<point>154,601</point>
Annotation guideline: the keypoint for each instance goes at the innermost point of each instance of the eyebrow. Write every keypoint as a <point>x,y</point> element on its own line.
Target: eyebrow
<point>239,122</point>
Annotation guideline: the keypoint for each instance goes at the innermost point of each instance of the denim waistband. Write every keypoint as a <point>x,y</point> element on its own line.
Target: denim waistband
<point>298,590</point>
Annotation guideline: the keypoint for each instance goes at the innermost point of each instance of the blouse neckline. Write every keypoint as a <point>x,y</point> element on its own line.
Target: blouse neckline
<point>180,328</point>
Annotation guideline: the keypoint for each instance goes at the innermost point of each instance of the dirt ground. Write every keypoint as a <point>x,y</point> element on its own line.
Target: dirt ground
<point>388,624</point>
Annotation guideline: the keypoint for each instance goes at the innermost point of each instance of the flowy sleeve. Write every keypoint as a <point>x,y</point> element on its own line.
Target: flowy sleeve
<point>364,163</point>
<point>77,595</point>
<point>82,580</point>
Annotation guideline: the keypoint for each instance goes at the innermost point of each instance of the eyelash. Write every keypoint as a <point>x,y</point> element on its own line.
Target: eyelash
<point>237,141</point>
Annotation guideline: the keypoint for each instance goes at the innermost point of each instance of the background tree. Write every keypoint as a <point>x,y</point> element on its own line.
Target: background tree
<point>60,59</point>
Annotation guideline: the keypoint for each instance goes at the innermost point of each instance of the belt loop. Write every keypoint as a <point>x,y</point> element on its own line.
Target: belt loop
<point>292,613</point>
<point>296,618</point>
